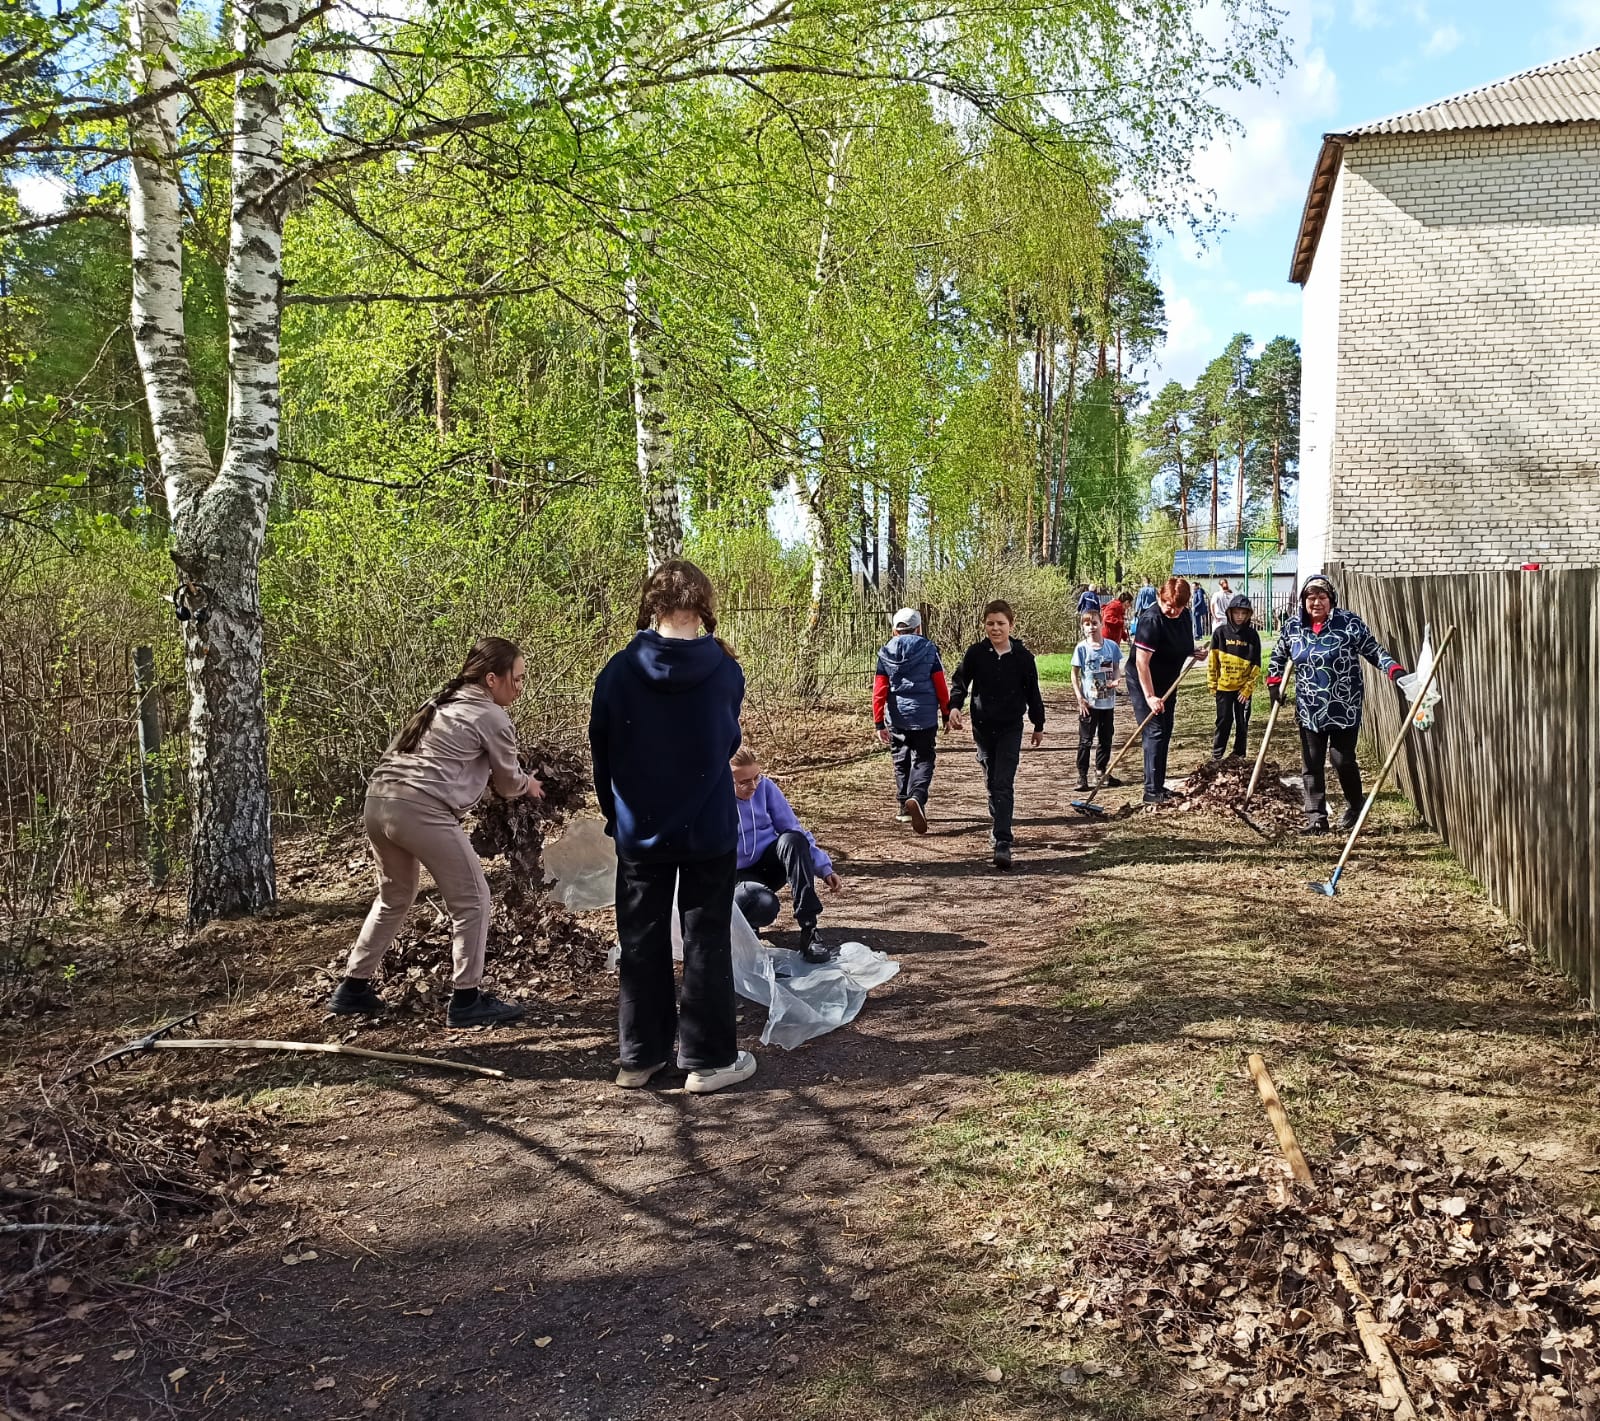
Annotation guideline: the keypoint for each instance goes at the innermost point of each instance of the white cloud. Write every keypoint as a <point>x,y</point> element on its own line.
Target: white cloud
<point>1187,331</point>
<point>1576,25</point>
<point>1286,299</point>
<point>1259,170</point>
<point>1442,41</point>
<point>42,194</point>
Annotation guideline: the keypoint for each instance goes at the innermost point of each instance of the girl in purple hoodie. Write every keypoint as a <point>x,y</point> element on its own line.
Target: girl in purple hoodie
<point>774,849</point>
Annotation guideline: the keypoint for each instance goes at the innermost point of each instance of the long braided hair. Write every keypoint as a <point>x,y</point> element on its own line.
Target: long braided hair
<point>680,586</point>
<point>490,655</point>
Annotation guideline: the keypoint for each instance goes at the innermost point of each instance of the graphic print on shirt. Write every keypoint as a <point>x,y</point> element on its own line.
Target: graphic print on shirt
<point>1096,667</point>
<point>1328,689</point>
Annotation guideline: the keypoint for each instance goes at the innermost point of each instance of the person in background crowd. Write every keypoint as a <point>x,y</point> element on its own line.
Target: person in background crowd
<point>774,849</point>
<point>1163,641</point>
<point>663,724</point>
<point>1089,599</point>
<point>1200,611</point>
<point>909,701</point>
<point>457,744</point>
<point>1096,662</point>
<point>1221,600</point>
<point>1231,672</point>
<point>1145,600</point>
<point>1004,680</point>
<point>1327,646</point>
<point>1114,619</point>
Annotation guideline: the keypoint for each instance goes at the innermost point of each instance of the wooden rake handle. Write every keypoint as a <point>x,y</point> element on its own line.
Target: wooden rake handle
<point>1261,754</point>
<point>1138,730</point>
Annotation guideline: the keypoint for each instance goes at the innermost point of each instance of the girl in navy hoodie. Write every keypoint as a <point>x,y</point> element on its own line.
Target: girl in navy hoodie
<point>664,722</point>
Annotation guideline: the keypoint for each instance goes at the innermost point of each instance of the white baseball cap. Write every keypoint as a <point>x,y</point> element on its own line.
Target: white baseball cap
<point>908,619</point>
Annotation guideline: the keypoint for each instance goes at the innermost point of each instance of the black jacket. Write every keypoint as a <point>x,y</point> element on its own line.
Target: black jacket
<point>1003,687</point>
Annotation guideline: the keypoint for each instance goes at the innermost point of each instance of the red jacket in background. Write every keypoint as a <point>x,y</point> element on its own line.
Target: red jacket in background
<point>1114,620</point>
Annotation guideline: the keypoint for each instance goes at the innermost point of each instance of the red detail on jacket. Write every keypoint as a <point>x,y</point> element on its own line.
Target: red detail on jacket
<point>942,690</point>
<point>880,698</point>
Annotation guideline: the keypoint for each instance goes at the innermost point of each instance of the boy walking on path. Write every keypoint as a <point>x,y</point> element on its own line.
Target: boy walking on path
<point>1231,670</point>
<point>909,701</point>
<point>1096,662</point>
<point>1004,680</point>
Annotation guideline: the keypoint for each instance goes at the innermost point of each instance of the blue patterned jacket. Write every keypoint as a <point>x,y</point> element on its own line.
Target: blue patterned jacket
<point>1328,692</point>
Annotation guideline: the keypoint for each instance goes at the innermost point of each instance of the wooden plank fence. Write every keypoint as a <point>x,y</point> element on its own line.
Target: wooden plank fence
<point>1508,773</point>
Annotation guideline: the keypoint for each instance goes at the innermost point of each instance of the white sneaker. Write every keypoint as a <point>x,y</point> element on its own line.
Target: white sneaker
<point>704,1082</point>
<point>637,1080</point>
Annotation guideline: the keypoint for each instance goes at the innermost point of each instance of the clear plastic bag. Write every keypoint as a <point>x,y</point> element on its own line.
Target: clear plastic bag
<point>581,867</point>
<point>1411,684</point>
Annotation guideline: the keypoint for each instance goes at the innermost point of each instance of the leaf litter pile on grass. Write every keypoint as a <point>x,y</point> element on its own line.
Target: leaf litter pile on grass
<point>1218,787</point>
<point>534,943</point>
<point>1489,1298</point>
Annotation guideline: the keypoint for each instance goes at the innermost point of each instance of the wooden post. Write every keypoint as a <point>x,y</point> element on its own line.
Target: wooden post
<point>1280,1121</point>
<point>152,783</point>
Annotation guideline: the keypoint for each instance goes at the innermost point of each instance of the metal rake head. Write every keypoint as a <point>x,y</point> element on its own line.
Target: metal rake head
<point>115,1059</point>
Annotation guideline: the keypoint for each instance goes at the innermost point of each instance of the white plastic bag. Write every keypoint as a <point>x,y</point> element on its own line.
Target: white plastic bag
<point>1411,684</point>
<point>581,867</point>
<point>803,999</point>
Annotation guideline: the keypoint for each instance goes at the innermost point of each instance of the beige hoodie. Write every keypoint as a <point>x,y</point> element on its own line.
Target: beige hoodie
<point>470,743</point>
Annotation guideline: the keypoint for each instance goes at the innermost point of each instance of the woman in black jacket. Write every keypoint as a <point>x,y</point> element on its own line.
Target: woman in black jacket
<point>1004,680</point>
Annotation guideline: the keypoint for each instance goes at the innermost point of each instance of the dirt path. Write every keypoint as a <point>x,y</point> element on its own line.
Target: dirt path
<point>856,1233</point>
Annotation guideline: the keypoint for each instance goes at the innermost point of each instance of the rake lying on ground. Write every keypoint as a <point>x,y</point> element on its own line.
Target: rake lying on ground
<point>162,1039</point>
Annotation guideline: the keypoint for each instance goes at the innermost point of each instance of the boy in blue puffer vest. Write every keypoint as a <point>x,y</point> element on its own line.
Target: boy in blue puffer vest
<point>774,849</point>
<point>910,700</point>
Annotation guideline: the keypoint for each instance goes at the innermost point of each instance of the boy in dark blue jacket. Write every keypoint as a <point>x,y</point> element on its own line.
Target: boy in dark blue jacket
<point>910,700</point>
<point>664,721</point>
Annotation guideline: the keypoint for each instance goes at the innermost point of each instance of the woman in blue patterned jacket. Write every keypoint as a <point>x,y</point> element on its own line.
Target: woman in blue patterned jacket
<point>1327,646</point>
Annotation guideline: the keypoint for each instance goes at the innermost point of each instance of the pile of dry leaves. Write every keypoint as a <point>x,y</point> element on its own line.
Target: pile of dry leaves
<point>1218,788</point>
<point>1489,1298</point>
<point>535,945</point>
<point>80,1179</point>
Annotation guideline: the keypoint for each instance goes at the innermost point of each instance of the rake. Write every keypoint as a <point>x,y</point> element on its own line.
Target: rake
<point>1330,888</point>
<point>1243,808</point>
<point>1088,806</point>
<point>162,1039</point>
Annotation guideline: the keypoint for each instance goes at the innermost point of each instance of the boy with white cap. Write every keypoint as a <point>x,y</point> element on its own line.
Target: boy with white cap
<point>910,700</point>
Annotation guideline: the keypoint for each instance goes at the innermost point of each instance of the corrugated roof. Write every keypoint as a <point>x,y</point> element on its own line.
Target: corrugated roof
<point>1566,91</point>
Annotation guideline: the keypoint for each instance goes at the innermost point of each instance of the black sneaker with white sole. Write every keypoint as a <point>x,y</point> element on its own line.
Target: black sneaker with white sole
<point>355,996</point>
<point>813,948</point>
<point>485,1009</point>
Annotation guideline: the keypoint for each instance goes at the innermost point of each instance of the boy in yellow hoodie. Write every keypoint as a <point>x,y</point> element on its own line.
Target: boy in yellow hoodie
<point>1231,672</point>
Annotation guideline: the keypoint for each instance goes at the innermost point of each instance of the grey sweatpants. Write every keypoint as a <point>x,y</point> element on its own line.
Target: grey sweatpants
<point>408,835</point>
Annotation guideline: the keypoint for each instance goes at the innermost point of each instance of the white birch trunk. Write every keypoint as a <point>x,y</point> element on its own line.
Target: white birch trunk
<point>658,485</point>
<point>812,495</point>
<point>218,517</point>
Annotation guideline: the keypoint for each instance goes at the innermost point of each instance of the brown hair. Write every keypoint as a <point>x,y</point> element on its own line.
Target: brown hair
<point>744,756</point>
<point>490,656</point>
<point>679,586</point>
<point>1175,592</point>
<point>1003,608</point>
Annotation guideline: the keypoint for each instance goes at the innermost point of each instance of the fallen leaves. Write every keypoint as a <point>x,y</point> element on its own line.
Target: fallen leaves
<point>1489,1298</point>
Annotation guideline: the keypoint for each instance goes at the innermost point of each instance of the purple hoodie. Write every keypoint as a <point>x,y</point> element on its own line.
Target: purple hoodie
<point>764,816</point>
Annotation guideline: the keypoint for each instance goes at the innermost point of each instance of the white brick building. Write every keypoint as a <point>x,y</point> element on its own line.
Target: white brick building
<point>1451,388</point>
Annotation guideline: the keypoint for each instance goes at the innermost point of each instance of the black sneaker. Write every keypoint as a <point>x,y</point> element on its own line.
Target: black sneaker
<point>813,948</point>
<point>1082,786</point>
<point>1002,856</point>
<point>1111,782</point>
<point>1314,826</point>
<point>919,816</point>
<point>484,1010</point>
<point>1347,820</point>
<point>355,996</point>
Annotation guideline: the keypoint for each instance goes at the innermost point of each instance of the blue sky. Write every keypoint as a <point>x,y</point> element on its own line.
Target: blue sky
<point>1354,60</point>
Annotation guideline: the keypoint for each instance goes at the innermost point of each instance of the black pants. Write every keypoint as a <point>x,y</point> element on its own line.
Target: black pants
<point>786,860</point>
<point>914,752</point>
<point>1232,714</point>
<point>1101,725</point>
<point>999,753</point>
<point>1157,739</point>
<point>650,1013</point>
<point>1316,747</point>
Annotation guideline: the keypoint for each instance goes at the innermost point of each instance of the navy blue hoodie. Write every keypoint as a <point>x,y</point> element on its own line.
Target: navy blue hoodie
<point>664,722</point>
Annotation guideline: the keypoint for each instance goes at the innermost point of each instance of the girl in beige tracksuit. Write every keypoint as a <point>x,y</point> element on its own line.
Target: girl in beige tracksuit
<point>457,744</point>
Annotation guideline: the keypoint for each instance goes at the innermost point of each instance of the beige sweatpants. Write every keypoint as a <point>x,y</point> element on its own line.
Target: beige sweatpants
<point>408,834</point>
